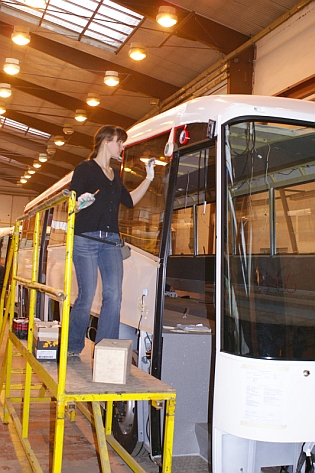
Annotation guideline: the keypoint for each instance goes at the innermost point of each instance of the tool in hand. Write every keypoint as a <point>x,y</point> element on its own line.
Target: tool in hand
<point>83,204</point>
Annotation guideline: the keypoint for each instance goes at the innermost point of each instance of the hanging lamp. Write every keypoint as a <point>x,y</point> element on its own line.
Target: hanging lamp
<point>111,78</point>
<point>11,66</point>
<point>166,16</point>
<point>21,35</point>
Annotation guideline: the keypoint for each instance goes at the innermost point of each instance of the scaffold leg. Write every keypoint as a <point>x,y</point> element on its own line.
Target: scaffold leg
<point>59,436</point>
<point>168,435</point>
<point>101,439</point>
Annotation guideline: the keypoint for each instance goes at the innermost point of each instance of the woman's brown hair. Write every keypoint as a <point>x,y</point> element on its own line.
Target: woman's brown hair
<point>107,132</point>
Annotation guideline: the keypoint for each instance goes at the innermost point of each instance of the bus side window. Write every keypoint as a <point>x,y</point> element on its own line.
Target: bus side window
<point>193,222</point>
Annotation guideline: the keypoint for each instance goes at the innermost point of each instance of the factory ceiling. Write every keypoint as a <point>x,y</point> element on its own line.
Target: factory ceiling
<point>73,44</point>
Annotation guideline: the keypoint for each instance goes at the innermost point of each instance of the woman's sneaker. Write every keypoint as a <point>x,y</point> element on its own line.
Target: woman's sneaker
<point>72,354</point>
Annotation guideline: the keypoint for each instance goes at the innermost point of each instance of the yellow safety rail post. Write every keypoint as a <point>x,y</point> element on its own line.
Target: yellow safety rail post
<point>15,247</point>
<point>61,400</point>
<point>101,439</point>
<point>3,320</point>
<point>32,309</point>
<point>168,435</point>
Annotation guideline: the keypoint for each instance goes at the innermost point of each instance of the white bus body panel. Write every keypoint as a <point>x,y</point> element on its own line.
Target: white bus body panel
<point>139,280</point>
<point>265,400</point>
<point>221,108</point>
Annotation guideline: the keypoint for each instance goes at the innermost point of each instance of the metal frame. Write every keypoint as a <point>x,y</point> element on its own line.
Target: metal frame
<point>142,387</point>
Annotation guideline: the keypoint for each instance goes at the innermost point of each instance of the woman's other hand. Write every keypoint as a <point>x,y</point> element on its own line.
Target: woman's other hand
<point>150,169</point>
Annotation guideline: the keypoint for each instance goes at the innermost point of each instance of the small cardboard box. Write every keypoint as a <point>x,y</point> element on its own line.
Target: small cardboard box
<point>112,361</point>
<point>46,340</point>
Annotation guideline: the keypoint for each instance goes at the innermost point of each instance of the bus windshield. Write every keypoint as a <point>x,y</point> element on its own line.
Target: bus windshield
<point>268,236</point>
<point>141,226</point>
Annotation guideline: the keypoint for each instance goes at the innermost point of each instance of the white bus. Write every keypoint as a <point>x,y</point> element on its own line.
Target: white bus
<point>224,238</point>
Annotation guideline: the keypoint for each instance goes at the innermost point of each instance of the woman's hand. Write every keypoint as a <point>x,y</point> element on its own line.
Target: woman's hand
<point>85,200</point>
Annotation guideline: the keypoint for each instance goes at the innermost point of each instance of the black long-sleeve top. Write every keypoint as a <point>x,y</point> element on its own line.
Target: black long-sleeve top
<point>103,213</point>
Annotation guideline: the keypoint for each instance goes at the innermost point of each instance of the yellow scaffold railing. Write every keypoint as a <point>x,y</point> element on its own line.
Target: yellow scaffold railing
<point>71,385</point>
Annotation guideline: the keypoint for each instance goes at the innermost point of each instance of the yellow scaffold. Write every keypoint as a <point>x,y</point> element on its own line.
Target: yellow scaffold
<point>70,385</point>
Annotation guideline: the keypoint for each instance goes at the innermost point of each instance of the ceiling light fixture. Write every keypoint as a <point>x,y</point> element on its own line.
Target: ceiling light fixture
<point>31,171</point>
<point>137,51</point>
<point>27,176</point>
<point>23,180</point>
<point>5,90</point>
<point>50,150</point>
<point>111,78</point>
<point>35,3</point>
<point>59,140</point>
<point>42,157</point>
<point>166,16</point>
<point>67,129</point>
<point>93,100</point>
<point>21,35</point>
<point>36,165</point>
<point>2,108</point>
<point>80,115</point>
<point>11,66</point>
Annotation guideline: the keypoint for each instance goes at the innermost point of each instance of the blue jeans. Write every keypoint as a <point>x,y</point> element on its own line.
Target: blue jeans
<point>88,256</point>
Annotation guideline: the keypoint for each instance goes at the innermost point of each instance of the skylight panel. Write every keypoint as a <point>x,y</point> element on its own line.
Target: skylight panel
<point>11,161</point>
<point>14,126</point>
<point>104,22</point>
<point>39,134</point>
<point>17,127</point>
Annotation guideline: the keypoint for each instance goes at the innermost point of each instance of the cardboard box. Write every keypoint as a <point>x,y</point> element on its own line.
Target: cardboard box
<point>112,361</point>
<point>46,340</point>
<point>46,330</point>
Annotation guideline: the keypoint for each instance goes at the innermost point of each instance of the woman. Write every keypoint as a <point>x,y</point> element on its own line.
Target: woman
<point>100,191</point>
